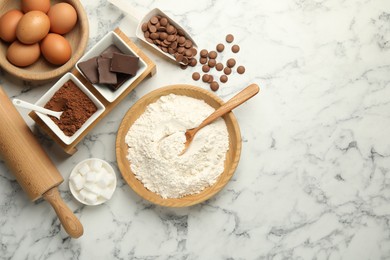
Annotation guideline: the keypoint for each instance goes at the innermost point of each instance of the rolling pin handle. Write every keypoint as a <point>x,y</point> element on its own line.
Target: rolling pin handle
<point>68,220</point>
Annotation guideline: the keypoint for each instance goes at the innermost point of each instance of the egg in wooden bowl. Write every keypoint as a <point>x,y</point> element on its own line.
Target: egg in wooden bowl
<point>186,182</point>
<point>36,43</point>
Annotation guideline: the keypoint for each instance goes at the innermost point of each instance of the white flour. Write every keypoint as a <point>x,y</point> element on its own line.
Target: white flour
<point>156,139</point>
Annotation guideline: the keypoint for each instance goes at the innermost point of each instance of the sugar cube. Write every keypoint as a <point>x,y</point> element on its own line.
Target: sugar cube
<point>96,165</point>
<point>91,187</point>
<point>84,169</point>
<point>106,193</point>
<point>106,180</point>
<point>77,181</point>
<point>91,176</point>
<point>90,197</point>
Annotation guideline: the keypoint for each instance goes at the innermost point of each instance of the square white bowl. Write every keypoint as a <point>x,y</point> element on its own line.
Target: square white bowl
<point>50,93</point>
<point>112,39</point>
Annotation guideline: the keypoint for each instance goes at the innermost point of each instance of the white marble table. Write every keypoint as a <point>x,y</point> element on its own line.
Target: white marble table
<point>313,181</point>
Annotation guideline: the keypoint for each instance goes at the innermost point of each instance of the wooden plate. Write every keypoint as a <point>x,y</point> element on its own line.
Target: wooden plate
<point>43,70</point>
<point>232,156</point>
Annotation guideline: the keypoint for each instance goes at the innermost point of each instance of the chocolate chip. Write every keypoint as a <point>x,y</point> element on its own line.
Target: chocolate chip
<point>231,62</point>
<point>193,62</point>
<point>227,70</point>
<point>211,79</point>
<point>213,54</point>
<point>220,47</point>
<point>212,63</point>
<point>203,53</point>
<point>223,78</point>
<point>219,66</point>
<point>214,86</point>
<point>154,20</point>
<point>183,66</point>
<point>203,60</point>
<point>164,21</point>
<point>179,57</point>
<point>235,48</point>
<point>205,77</point>
<point>205,68</point>
<point>195,76</point>
<point>241,69</point>
<point>144,27</point>
<point>229,38</point>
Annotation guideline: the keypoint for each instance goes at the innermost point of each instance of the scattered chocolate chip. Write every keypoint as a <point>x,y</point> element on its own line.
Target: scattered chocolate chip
<point>220,47</point>
<point>205,77</point>
<point>212,63</point>
<point>235,48</point>
<point>205,68</point>
<point>195,76</point>
<point>183,66</point>
<point>227,70</point>
<point>219,66</point>
<point>231,62</point>
<point>223,78</point>
<point>241,69</point>
<point>211,79</point>
<point>203,53</point>
<point>214,86</point>
<point>213,54</point>
<point>203,60</point>
<point>229,38</point>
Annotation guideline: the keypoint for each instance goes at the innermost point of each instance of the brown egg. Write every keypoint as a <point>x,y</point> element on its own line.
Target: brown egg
<point>56,49</point>
<point>33,27</point>
<point>8,23</point>
<point>35,5</point>
<point>63,17</point>
<point>23,55</point>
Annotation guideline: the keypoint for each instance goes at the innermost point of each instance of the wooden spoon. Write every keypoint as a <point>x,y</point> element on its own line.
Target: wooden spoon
<point>234,102</point>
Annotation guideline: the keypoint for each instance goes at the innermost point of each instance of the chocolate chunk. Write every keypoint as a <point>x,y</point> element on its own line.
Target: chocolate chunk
<point>123,63</point>
<point>121,78</point>
<point>105,75</point>
<point>109,52</point>
<point>90,70</point>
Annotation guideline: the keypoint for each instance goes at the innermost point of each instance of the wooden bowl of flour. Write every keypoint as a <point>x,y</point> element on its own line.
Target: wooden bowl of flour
<point>232,156</point>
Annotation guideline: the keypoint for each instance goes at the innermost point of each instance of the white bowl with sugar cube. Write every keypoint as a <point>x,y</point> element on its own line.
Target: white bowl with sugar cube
<point>92,181</point>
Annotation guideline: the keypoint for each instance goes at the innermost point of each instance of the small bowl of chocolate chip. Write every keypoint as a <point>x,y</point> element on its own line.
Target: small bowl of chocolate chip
<point>79,106</point>
<point>111,66</point>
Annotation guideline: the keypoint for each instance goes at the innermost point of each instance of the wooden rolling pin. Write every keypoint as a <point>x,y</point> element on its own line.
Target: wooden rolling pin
<point>32,167</point>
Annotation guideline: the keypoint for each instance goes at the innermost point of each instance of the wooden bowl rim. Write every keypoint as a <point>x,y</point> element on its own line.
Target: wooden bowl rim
<point>25,74</point>
<point>138,187</point>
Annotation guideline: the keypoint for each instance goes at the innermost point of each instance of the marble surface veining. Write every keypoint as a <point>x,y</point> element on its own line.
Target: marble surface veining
<point>313,181</point>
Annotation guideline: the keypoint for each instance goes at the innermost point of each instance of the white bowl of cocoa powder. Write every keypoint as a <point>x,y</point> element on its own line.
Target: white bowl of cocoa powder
<point>80,108</point>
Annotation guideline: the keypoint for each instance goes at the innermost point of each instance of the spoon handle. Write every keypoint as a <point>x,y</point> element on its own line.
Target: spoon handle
<point>24,104</point>
<point>234,102</point>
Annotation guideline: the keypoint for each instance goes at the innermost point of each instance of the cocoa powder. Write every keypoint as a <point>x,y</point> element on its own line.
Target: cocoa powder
<point>76,107</point>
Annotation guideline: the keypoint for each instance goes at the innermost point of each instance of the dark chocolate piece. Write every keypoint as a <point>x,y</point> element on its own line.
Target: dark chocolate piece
<point>90,70</point>
<point>105,75</point>
<point>123,63</point>
<point>121,79</point>
<point>109,52</point>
